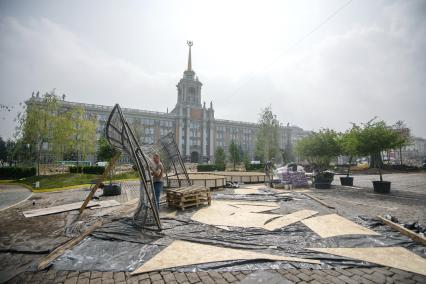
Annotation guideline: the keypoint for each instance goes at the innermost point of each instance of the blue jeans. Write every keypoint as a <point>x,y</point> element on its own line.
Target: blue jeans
<point>158,187</point>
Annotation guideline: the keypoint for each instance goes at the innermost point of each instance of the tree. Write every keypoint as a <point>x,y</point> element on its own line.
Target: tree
<point>220,157</point>
<point>234,154</point>
<point>349,143</point>
<point>374,137</point>
<point>38,124</point>
<point>3,151</point>
<point>319,148</point>
<point>105,151</point>
<point>267,146</point>
<point>83,133</point>
<point>287,153</point>
<point>404,137</point>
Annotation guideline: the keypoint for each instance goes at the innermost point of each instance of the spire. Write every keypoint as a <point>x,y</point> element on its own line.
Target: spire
<point>190,43</point>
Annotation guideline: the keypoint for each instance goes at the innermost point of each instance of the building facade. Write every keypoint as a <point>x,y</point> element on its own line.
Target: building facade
<point>197,132</point>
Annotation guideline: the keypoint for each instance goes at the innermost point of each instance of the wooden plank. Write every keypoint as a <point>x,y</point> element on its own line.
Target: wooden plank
<point>334,225</point>
<point>99,181</point>
<point>319,201</point>
<point>412,235</point>
<point>68,207</point>
<point>176,254</point>
<point>396,257</point>
<point>289,219</point>
<point>45,262</point>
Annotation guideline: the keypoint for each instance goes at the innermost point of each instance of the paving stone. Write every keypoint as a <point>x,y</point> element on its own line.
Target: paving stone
<point>108,281</point>
<point>203,273</point>
<point>145,281</point>
<point>206,280</point>
<point>60,279</point>
<point>95,274</point>
<point>73,274</point>
<point>119,277</point>
<point>155,276</point>
<point>83,281</point>
<point>367,270</point>
<point>180,277</point>
<point>345,272</point>
<point>72,280</point>
<point>96,281</point>
<point>229,277</point>
<point>240,276</point>
<point>220,281</point>
<point>401,272</point>
<point>215,275</point>
<point>356,271</point>
<point>320,278</point>
<point>107,275</point>
<point>333,279</point>
<point>346,279</point>
<point>169,277</point>
<point>291,277</point>
<point>377,277</point>
<point>158,282</point>
<point>384,271</point>
<point>306,271</point>
<point>192,277</point>
<point>143,276</point>
<point>304,277</point>
<point>365,281</point>
<point>84,274</point>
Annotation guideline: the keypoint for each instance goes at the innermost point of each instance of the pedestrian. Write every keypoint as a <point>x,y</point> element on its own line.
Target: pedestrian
<point>157,177</point>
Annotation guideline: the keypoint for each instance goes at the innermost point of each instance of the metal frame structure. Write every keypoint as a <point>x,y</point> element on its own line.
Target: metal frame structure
<point>121,136</point>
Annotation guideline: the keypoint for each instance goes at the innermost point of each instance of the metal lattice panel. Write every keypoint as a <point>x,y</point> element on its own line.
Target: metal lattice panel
<point>121,136</point>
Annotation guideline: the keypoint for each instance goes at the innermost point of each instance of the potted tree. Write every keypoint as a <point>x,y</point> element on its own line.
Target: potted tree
<point>105,153</point>
<point>348,144</point>
<point>319,149</point>
<point>374,138</point>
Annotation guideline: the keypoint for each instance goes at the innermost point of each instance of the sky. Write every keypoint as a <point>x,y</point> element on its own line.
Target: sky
<point>318,64</point>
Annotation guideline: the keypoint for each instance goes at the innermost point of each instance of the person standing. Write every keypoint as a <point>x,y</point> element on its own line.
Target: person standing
<point>157,176</point>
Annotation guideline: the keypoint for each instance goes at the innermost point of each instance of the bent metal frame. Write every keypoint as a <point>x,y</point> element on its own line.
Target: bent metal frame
<point>121,136</point>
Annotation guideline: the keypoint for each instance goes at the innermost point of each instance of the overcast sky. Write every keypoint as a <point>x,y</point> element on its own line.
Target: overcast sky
<point>318,63</point>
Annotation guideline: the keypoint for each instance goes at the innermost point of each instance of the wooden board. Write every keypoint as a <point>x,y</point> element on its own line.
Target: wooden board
<point>334,225</point>
<point>176,255</point>
<point>396,257</point>
<point>68,207</point>
<point>248,191</point>
<point>289,219</point>
<point>412,235</point>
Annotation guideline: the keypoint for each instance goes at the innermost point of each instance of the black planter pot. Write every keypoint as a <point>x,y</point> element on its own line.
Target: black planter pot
<point>112,189</point>
<point>381,186</point>
<point>348,181</point>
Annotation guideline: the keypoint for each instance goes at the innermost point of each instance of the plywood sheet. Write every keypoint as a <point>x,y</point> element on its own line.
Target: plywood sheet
<point>396,257</point>
<point>68,207</point>
<point>236,214</point>
<point>334,225</point>
<point>289,219</point>
<point>176,255</point>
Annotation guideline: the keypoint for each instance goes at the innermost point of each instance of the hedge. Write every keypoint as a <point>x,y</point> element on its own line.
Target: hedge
<point>94,170</point>
<point>255,167</point>
<point>16,172</point>
<point>210,168</point>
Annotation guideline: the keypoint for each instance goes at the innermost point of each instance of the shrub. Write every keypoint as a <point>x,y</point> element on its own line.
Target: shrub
<point>255,167</point>
<point>94,170</point>
<point>210,168</point>
<point>16,172</point>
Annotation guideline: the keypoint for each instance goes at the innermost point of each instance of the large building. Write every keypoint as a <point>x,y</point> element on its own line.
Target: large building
<point>197,132</point>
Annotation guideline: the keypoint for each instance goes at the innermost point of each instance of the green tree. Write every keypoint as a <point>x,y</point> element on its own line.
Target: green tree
<point>220,157</point>
<point>105,150</point>
<point>3,151</point>
<point>319,148</point>
<point>349,143</point>
<point>83,133</point>
<point>375,137</point>
<point>234,154</point>
<point>404,137</point>
<point>38,124</point>
<point>267,145</point>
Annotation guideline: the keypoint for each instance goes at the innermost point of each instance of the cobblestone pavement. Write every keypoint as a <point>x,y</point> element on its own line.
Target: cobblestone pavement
<point>407,202</point>
<point>325,276</point>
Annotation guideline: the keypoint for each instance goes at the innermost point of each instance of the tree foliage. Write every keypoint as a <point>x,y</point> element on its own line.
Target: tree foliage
<point>234,154</point>
<point>348,143</point>
<point>105,150</point>
<point>319,148</point>
<point>404,137</point>
<point>267,141</point>
<point>375,137</point>
<point>220,157</point>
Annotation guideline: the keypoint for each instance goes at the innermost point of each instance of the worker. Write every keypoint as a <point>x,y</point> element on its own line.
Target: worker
<point>157,176</point>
